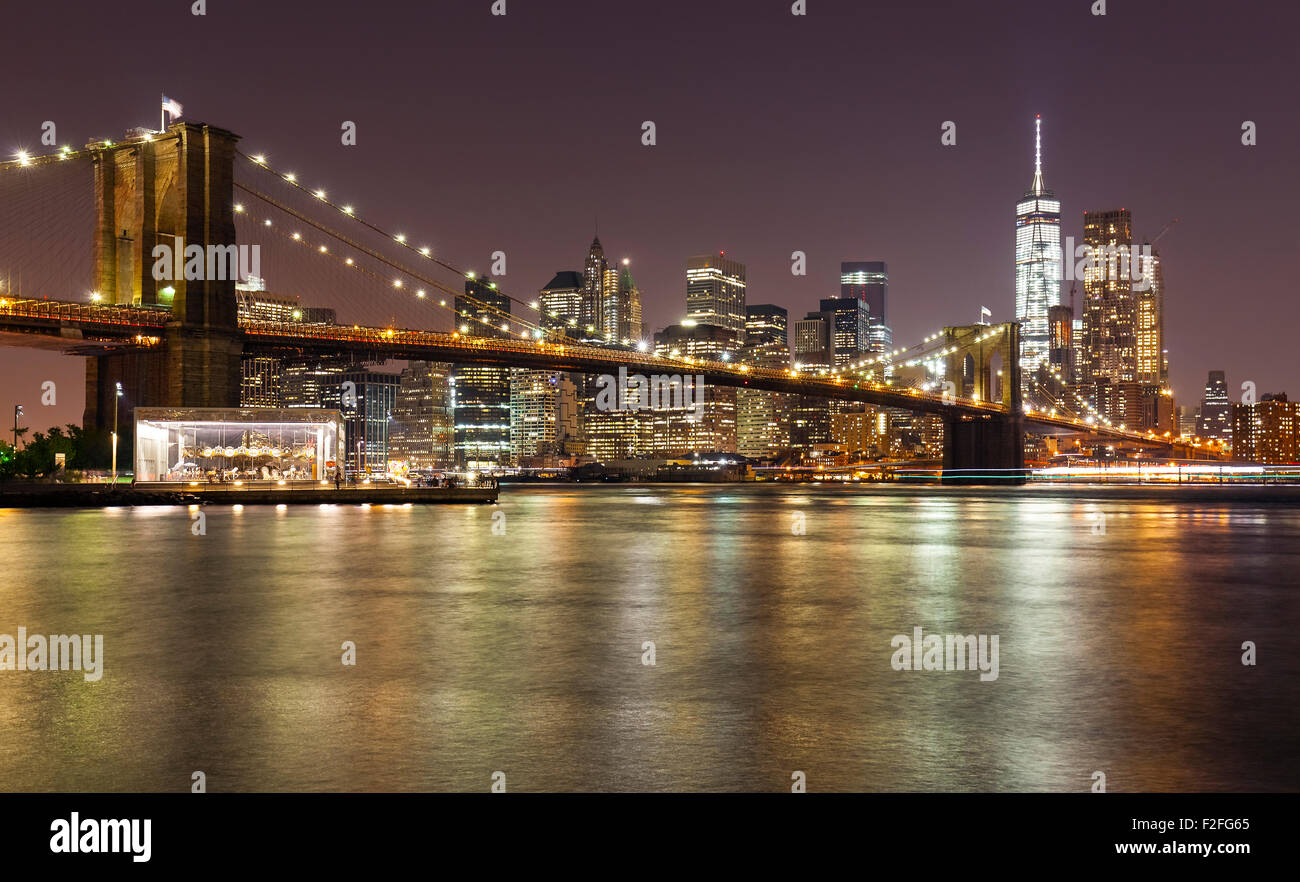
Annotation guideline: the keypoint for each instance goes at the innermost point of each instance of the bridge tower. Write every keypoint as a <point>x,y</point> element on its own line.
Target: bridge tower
<point>985,365</point>
<point>149,191</point>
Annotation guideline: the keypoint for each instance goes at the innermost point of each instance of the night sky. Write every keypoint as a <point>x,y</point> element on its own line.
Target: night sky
<point>775,133</point>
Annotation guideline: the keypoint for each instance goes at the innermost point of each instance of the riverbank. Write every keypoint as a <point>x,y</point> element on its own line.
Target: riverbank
<point>102,495</point>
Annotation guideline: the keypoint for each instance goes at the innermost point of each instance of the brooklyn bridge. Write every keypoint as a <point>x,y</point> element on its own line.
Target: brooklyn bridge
<point>178,341</point>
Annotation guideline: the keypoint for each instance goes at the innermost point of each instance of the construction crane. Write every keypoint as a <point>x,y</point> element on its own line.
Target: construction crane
<point>1166,229</point>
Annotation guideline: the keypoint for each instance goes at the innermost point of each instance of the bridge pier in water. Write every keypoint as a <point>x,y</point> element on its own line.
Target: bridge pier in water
<point>985,364</point>
<point>984,450</point>
<point>178,184</point>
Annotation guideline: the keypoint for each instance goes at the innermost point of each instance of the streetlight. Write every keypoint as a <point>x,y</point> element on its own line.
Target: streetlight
<point>115,398</point>
<point>18,411</point>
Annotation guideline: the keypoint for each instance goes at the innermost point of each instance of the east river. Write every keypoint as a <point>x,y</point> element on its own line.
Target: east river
<point>518,638</point>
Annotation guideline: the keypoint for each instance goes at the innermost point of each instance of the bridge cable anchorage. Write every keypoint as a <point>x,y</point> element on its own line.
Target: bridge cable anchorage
<point>260,163</point>
<point>404,270</point>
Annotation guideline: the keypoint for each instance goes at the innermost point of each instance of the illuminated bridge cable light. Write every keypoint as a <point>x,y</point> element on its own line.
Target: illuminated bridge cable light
<point>441,303</point>
<point>399,238</point>
<point>489,308</point>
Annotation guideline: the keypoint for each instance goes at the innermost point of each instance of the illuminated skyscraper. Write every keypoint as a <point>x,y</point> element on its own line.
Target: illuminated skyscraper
<point>561,301</point>
<point>421,436</point>
<point>541,415</point>
<point>813,344</point>
<point>850,328</point>
<point>868,281</point>
<point>763,417</point>
<point>715,292</point>
<point>1038,264</point>
<point>621,309</point>
<point>680,430</point>
<point>368,414</point>
<point>1216,409</point>
<point>481,393</point>
<point>1149,305</point>
<point>592,319</point>
<point>1109,314</point>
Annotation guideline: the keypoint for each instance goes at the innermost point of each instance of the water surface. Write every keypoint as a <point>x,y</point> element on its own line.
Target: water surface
<point>519,649</point>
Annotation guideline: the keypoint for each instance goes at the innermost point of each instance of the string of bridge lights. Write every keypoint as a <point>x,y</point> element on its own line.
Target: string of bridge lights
<point>323,250</point>
<point>23,159</point>
<point>531,329</point>
<point>425,251</point>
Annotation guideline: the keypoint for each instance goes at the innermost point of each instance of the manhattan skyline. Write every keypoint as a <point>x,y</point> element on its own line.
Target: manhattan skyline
<point>839,158</point>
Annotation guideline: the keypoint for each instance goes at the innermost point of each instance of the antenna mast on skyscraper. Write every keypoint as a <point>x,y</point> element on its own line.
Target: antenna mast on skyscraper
<point>1038,154</point>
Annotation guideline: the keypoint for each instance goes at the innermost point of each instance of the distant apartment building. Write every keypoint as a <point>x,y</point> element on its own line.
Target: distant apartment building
<point>543,418</point>
<point>1267,431</point>
<point>861,434</point>
<point>422,432</point>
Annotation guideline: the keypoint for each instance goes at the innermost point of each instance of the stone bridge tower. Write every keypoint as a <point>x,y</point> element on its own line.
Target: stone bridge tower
<point>150,190</point>
<point>986,366</point>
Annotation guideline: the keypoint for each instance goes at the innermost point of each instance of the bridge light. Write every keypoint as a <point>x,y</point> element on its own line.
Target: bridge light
<point>297,237</point>
<point>401,238</point>
<point>266,222</point>
<point>96,296</point>
<point>426,250</point>
<point>259,159</point>
<point>347,209</point>
<point>348,261</point>
<point>397,283</point>
<point>291,177</point>
<point>323,249</point>
<point>239,208</point>
<point>442,302</point>
<point>320,194</point>
<point>419,293</point>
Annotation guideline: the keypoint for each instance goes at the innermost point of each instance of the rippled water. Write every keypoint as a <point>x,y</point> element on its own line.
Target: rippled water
<point>1119,651</point>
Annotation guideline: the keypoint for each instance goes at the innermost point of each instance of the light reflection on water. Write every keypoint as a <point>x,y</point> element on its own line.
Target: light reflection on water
<point>1119,652</point>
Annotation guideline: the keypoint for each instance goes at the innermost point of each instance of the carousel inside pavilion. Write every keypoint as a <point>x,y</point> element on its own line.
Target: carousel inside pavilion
<point>228,445</point>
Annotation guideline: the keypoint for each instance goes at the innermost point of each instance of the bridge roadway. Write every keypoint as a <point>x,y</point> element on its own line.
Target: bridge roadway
<point>94,329</point>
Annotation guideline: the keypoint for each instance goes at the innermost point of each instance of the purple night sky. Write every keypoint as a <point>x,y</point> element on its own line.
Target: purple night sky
<point>776,133</point>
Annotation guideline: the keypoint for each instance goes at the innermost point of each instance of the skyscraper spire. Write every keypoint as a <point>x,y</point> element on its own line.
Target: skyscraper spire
<point>1037,188</point>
